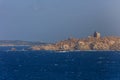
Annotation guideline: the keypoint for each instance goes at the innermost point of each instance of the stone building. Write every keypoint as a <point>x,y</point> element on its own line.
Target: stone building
<point>96,35</point>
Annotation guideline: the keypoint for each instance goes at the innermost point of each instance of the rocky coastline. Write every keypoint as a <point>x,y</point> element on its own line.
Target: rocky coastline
<point>95,42</point>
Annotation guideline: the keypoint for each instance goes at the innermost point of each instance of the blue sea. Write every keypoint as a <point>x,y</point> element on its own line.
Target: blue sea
<point>52,65</point>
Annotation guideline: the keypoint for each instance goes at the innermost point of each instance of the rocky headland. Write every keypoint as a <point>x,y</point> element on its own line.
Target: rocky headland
<point>95,42</point>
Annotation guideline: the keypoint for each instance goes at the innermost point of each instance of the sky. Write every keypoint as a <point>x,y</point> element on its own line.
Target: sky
<point>54,20</point>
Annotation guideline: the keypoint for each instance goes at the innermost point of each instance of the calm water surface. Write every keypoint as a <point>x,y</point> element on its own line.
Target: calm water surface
<point>50,65</point>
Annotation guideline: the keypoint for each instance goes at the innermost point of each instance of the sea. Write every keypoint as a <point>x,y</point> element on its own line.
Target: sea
<point>59,65</point>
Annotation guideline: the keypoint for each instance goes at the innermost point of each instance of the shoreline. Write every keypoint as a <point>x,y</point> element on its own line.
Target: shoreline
<point>12,45</point>
<point>66,51</point>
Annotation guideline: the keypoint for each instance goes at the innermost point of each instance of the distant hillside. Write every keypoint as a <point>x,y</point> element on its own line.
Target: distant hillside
<point>19,43</point>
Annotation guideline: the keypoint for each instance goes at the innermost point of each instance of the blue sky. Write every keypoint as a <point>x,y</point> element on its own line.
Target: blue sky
<point>54,20</point>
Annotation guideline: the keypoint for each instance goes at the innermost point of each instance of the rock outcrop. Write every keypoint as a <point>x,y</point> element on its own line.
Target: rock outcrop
<point>91,43</point>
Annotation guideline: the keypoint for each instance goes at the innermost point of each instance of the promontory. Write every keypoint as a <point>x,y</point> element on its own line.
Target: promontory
<point>94,42</point>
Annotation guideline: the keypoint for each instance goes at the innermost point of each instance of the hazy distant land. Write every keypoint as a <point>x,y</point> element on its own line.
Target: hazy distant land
<point>19,43</point>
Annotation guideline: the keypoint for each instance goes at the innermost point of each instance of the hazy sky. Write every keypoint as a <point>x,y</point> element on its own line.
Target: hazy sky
<point>53,20</point>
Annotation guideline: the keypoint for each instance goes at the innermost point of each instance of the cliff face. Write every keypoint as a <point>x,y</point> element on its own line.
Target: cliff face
<point>91,43</point>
